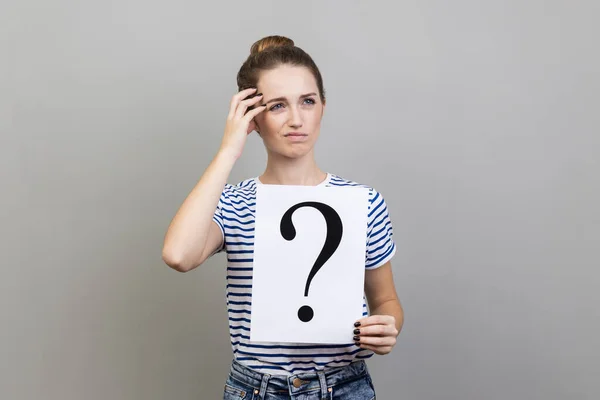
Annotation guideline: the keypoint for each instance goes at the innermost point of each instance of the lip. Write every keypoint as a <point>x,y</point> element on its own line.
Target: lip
<point>295,134</point>
<point>296,137</point>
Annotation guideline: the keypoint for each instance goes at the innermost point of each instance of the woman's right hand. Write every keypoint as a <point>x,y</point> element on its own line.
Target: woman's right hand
<point>239,122</point>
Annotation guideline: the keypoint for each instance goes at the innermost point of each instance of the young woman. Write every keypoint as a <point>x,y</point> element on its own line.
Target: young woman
<point>281,97</point>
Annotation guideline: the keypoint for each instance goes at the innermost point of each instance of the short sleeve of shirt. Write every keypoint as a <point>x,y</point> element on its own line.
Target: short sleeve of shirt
<point>380,242</point>
<point>218,217</point>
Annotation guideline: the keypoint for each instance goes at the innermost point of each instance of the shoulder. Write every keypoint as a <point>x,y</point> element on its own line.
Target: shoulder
<point>378,212</point>
<point>374,195</point>
<point>244,188</point>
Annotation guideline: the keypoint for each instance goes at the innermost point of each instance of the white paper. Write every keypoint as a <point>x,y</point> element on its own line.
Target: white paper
<point>281,267</point>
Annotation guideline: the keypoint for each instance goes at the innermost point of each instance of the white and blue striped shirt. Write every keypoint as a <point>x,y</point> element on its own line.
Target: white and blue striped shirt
<point>235,215</point>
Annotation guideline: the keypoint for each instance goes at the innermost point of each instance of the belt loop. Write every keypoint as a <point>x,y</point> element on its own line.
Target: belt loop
<point>263,386</point>
<point>323,382</point>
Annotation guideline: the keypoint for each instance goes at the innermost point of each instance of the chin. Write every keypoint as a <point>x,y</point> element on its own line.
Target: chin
<point>296,154</point>
<point>293,152</point>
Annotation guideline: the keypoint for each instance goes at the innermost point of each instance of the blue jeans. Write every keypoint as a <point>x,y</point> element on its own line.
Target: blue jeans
<point>352,382</point>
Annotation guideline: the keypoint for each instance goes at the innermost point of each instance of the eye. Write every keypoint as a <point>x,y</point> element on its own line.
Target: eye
<point>280,105</point>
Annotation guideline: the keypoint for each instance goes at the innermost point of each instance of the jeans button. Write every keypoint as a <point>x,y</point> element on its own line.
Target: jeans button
<point>297,383</point>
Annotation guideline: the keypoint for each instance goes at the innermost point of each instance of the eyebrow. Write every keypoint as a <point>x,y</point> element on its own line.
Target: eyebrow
<point>283,98</point>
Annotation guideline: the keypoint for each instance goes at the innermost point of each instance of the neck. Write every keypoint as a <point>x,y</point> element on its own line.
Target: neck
<point>292,171</point>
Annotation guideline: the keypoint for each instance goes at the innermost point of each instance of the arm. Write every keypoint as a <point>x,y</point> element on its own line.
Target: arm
<point>192,236</point>
<point>378,332</point>
<point>381,294</point>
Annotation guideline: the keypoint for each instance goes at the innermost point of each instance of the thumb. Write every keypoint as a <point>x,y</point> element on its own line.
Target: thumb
<point>252,126</point>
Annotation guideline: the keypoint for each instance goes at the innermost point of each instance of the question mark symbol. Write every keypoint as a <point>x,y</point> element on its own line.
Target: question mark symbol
<point>332,241</point>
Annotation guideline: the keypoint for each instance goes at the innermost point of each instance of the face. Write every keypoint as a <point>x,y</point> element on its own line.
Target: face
<point>291,122</point>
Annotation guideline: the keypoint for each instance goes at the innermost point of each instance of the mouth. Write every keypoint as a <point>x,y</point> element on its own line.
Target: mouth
<point>295,134</point>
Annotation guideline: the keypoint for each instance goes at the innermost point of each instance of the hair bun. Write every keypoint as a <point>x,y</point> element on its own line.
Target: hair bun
<point>270,42</point>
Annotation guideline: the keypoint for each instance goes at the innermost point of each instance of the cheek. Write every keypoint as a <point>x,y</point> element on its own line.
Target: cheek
<point>314,119</point>
<point>271,122</point>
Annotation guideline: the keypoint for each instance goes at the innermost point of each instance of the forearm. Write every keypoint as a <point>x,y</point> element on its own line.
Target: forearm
<point>391,307</point>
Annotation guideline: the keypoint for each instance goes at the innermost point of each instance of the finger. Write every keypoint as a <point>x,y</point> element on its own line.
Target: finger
<point>245,104</point>
<point>254,112</point>
<point>235,100</point>
<point>377,340</point>
<point>377,349</point>
<point>376,320</point>
<point>377,330</point>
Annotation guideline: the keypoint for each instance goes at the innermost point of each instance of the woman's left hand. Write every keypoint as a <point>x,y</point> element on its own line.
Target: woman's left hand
<point>377,333</point>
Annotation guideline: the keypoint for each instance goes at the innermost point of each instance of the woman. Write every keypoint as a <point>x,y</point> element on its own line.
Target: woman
<point>281,97</point>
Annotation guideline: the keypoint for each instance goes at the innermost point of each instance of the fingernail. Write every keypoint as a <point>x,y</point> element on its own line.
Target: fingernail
<point>357,331</point>
<point>356,338</point>
<point>357,324</point>
<point>357,344</point>
<point>259,94</point>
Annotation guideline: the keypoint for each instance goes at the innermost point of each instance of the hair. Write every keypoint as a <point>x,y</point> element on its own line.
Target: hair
<point>269,53</point>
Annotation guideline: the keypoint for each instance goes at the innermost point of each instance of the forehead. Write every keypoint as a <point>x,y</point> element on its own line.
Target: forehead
<point>287,79</point>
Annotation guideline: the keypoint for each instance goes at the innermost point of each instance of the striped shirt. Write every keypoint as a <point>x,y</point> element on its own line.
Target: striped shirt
<point>235,215</point>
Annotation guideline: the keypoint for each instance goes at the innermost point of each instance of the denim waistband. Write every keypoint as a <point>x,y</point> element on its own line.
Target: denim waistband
<point>297,383</point>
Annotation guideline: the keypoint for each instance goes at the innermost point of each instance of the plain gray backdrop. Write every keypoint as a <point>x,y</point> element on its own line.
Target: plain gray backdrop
<point>477,120</point>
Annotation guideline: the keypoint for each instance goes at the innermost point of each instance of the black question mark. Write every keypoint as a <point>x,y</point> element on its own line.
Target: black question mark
<point>332,241</point>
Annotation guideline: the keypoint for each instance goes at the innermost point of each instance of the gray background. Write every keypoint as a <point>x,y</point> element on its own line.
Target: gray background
<point>477,120</point>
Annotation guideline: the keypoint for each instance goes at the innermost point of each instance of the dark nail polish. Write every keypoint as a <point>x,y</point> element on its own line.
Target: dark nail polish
<point>357,324</point>
<point>259,94</point>
<point>357,344</point>
<point>357,331</point>
<point>356,338</point>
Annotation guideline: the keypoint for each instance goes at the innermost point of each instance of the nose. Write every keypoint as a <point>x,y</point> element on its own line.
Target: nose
<point>295,120</point>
